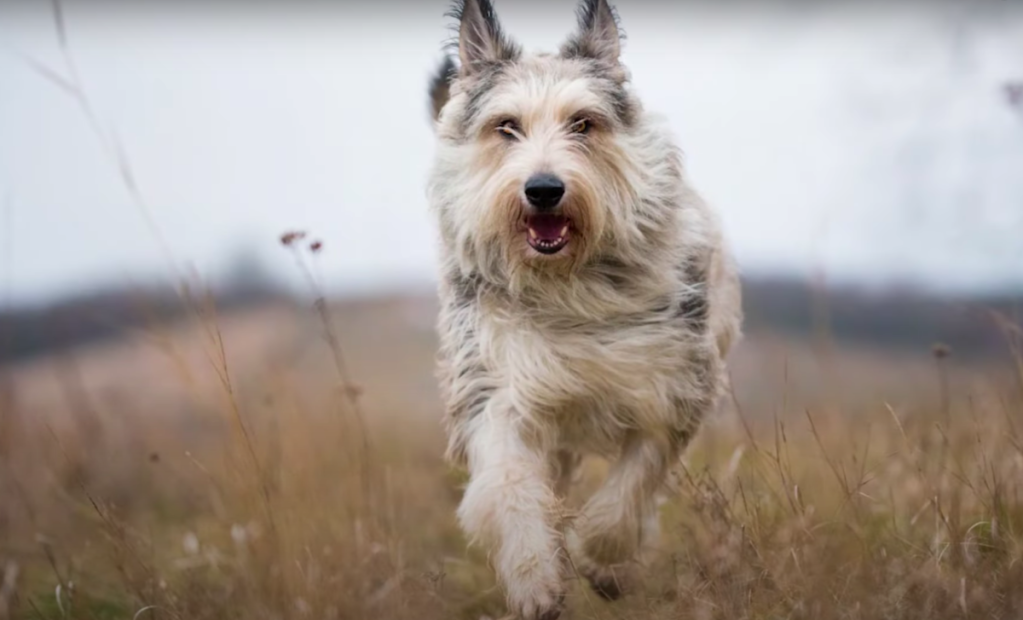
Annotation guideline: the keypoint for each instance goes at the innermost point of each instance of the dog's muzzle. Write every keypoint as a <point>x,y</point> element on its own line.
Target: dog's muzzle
<point>547,231</point>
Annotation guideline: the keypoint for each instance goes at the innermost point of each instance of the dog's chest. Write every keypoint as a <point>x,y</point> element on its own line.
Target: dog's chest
<point>586,373</point>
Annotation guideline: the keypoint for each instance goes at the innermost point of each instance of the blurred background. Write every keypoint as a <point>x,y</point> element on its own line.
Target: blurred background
<point>875,149</point>
<point>872,146</point>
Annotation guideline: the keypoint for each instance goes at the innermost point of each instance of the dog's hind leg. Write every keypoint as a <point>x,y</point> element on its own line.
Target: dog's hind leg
<point>620,521</point>
<point>566,465</point>
<point>510,505</point>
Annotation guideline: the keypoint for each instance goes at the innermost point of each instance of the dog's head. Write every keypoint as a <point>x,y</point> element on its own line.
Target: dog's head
<point>535,164</point>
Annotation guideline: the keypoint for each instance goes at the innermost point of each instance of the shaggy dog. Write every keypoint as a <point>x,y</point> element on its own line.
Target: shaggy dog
<point>588,302</point>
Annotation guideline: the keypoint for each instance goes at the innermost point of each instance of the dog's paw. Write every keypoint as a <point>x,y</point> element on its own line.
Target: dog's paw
<point>545,604</point>
<point>608,583</point>
<point>535,585</point>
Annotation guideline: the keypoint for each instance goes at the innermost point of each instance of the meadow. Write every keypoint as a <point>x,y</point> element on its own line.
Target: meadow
<point>284,461</point>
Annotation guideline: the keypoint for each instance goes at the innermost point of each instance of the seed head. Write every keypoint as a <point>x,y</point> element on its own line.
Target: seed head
<point>291,237</point>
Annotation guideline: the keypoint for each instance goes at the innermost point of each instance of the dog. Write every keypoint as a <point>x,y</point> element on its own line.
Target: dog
<point>588,302</point>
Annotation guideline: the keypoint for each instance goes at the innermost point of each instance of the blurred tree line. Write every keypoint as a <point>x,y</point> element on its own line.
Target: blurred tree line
<point>109,312</point>
<point>895,320</point>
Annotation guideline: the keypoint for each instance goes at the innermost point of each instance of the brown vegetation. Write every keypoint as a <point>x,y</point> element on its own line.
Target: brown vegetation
<point>220,471</point>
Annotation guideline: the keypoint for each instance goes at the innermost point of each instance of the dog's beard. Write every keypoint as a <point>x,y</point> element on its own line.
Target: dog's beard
<point>510,237</point>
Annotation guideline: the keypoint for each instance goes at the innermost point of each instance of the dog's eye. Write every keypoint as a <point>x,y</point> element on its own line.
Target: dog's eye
<point>508,128</point>
<point>580,126</point>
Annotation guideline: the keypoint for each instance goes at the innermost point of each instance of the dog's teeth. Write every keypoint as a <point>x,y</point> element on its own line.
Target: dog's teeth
<point>532,234</point>
<point>564,231</point>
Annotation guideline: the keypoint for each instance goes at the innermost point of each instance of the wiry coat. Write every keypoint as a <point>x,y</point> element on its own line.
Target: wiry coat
<point>615,346</point>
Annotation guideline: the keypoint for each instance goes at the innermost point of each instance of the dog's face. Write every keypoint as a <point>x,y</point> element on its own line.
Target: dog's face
<point>533,163</point>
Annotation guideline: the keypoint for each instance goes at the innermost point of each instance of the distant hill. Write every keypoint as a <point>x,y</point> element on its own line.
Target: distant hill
<point>893,319</point>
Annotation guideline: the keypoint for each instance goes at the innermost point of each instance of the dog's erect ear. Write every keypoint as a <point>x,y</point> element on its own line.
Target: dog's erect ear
<point>599,36</point>
<point>440,85</point>
<point>480,39</point>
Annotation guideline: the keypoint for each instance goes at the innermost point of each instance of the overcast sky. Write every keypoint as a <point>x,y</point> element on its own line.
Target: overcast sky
<point>873,142</point>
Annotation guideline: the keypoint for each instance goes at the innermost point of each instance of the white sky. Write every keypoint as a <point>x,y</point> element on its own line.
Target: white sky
<point>873,143</point>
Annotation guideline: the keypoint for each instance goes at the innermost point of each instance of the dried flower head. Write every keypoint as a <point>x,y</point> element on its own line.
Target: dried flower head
<point>291,237</point>
<point>1014,93</point>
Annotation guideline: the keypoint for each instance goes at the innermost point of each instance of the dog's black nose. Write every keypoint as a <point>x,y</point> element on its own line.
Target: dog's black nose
<point>544,191</point>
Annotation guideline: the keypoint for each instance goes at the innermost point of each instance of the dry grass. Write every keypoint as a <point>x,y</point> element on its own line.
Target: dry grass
<point>234,481</point>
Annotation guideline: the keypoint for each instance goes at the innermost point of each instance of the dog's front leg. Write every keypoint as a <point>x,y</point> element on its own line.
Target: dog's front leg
<point>620,520</point>
<point>511,507</point>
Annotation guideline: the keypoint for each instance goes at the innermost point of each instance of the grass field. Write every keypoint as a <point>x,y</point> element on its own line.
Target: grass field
<point>252,466</point>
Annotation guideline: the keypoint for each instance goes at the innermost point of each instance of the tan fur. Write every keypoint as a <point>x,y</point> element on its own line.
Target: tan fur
<point>616,346</point>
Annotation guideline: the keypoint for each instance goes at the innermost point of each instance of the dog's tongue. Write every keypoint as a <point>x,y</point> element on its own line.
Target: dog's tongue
<point>547,227</point>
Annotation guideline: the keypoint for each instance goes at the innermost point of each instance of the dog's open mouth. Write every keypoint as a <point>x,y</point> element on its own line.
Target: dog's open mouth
<point>547,233</point>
